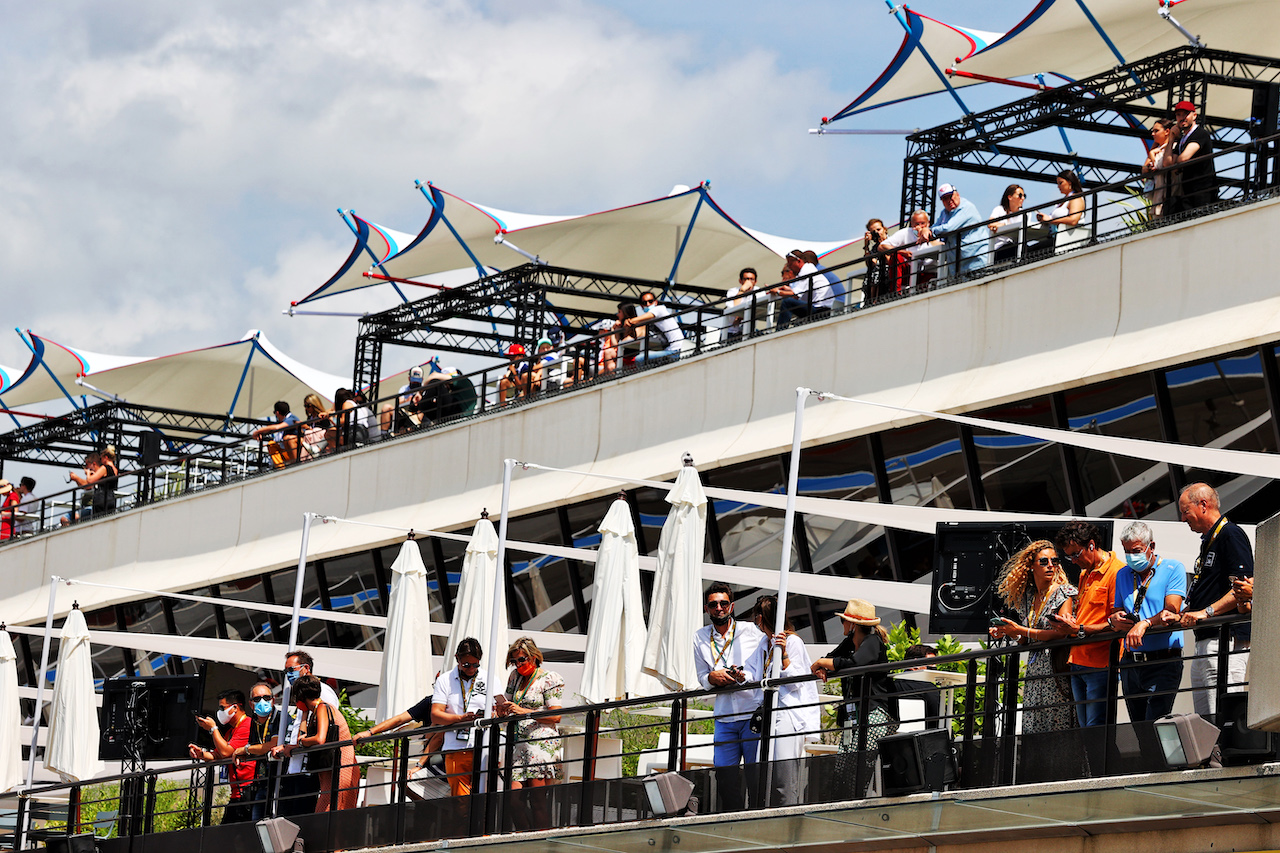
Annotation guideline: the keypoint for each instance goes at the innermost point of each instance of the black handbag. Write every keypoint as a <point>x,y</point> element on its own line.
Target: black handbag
<point>322,760</point>
<point>757,719</point>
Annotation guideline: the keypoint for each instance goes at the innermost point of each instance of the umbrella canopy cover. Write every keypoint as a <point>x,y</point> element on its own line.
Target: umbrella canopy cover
<point>612,667</point>
<point>407,672</point>
<point>10,717</point>
<point>473,608</point>
<point>72,750</point>
<point>675,612</point>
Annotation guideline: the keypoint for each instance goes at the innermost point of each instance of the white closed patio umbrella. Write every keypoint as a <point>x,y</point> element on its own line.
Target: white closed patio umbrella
<point>10,717</point>
<point>473,608</point>
<point>72,748</point>
<point>407,671</point>
<point>675,612</point>
<point>613,665</point>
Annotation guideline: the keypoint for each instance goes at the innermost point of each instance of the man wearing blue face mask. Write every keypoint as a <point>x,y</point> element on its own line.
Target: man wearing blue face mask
<point>263,731</point>
<point>1151,588</point>
<point>298,789</point>
<point>230,733</point>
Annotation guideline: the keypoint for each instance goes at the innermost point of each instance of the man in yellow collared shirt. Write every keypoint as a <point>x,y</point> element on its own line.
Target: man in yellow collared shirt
<point>1079,541</point>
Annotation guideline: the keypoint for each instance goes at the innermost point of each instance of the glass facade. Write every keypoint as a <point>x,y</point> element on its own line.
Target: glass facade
<point>1223,402</point>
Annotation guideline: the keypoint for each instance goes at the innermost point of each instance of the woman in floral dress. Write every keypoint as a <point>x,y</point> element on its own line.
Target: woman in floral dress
<point>539,748</point>
<point>1034,585</point>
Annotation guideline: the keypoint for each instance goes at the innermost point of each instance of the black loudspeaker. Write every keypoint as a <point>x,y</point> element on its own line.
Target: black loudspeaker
<point>149,449</point>
<point>967,559</point>
<point>1264,116</point>
<point>1239,743</point>
<point>916,762</point>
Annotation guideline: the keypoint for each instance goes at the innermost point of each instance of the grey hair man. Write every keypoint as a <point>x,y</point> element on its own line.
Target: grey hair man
<point>1149,593</point>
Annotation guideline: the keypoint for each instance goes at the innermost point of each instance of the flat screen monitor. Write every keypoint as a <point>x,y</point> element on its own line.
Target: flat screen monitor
<point>156,712</point>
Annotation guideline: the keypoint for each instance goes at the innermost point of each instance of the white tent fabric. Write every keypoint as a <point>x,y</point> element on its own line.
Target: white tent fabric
<point>10,717</point>
<point>73,721</point>
<point>908,75</point>
<point>1057,37</point>
<point>407,670</point>
<point>374,244</point>
<point>202,380</point>
<point>611,668</point>
<point>34,384</point>
<point>675,611</point>
<point>640,240</point>
<point>473,608</point>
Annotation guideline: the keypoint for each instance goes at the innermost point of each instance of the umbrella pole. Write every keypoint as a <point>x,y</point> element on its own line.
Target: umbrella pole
<point>35,719</point>
<point>283,735</point>
<point>499,590</point>
<point>784,570</point>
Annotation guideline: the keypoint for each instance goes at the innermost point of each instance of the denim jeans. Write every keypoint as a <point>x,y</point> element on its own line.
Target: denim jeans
<point>735,742</point>
<point>1145,679</point>
<point>1089,690</point>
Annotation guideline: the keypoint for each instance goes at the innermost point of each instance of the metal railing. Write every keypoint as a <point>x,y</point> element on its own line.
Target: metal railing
<point>605,749</point>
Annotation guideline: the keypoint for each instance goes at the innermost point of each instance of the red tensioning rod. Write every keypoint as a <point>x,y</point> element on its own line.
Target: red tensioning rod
<point>984,78</point>
<point>403,281</point>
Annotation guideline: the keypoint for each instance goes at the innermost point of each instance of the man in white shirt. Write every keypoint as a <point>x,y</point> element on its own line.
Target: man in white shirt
<point>917,233</point>
<point>727,653</point>
<point>666,340</point>
<point>298,789</point>
<point>740,303</point>
<point>796,299</point>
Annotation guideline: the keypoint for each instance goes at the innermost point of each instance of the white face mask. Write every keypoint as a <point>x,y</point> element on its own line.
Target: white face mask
<point>224,715</point>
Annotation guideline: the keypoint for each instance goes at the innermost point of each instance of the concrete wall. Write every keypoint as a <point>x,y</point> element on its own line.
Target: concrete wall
<point>1179,294</point>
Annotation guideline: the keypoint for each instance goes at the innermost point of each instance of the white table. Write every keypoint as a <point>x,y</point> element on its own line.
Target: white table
<point>945,681</point>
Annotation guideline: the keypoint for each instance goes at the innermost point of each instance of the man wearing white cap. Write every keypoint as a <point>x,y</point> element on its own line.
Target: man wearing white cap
<point>960,217</point>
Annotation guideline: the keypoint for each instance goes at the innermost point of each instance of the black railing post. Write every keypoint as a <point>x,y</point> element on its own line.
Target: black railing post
<point>149,811</point>
<point>1009,716</point>
<point>481,736</point>
<point>73,811</point>
<point>586,805</point>
<point>970,712</point>
<point>504,803</point>
<point>206,805</point>
<point>862,720</point>
<point>1224,669</point>
<point>764,763</point>
<point>401,757</point>
<point>675,738</point>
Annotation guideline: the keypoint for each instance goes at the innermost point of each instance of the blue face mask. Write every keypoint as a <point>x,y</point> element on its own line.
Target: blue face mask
<point>292,675</point>
<point>1139,562</point>
<point>262,707</point>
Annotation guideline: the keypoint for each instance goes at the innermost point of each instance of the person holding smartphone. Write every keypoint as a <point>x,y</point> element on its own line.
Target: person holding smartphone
<point>1151,589</point>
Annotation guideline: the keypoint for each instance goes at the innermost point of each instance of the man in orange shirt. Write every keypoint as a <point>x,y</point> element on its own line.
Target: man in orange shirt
<point>1079,541</point>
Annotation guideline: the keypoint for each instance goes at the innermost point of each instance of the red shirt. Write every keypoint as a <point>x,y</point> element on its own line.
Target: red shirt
<point>6,513</point>
<point>243,774</point>
<point>1097,592</point>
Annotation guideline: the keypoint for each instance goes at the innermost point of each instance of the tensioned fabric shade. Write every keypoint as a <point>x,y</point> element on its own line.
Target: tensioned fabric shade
<point>374,244</point>
<point>203,380</point>
<point>640,241</point>
<point>34,384</point>
<point>1057,37</point>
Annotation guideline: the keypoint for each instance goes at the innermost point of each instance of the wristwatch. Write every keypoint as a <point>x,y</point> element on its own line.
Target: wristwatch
<point>1080,632</point>
<point>1208,612</point>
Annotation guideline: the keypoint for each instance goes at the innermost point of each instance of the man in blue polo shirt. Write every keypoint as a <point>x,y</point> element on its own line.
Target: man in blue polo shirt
<point>961,220</point>
<point>1151,587</point>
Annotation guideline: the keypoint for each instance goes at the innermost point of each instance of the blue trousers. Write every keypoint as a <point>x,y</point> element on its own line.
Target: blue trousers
<point>735,742</point>
<point>1143,680</point>
<point>1089,689</point>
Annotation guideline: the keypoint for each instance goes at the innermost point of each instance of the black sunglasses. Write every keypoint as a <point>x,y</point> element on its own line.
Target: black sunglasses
<point>1050,561</point>
<point>520,660</point>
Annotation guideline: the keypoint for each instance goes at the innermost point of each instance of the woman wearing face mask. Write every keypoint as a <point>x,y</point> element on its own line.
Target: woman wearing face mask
<point>263,732</point>
<point>230,732</point>
<point>323,723</point>
<point>538,753</point>
<point>1034,584</point>
<point>797,718</point>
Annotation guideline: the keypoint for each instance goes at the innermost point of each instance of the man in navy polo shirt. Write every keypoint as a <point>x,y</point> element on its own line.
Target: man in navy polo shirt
<point>1151,587</point>
<point>1224,553</point>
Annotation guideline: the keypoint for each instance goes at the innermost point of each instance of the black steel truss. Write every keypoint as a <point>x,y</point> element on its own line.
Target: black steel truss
<point>982,143</point>
<point>518,305</point>
<point>65,440</point>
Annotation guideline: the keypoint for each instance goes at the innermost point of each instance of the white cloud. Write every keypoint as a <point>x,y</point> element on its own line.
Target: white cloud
<point>173,185</point>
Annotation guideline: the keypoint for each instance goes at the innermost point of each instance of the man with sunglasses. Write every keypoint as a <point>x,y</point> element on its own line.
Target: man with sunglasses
<point>665,338</point>
<point>1224,554</point>
<point>1078,541</point>
<point>961,222</point>
<point>457,698</point>
<point>299,790</point>
<point>1150,588</point>
<point>727,653</point>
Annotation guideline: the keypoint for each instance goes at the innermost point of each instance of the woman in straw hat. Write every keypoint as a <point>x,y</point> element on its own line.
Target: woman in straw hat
<point>865,643</point>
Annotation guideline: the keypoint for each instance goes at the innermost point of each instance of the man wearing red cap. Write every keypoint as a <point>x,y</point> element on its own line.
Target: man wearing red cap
<point>1196,183</point>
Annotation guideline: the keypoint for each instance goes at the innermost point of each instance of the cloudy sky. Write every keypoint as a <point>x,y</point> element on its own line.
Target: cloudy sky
<point>172,171</point>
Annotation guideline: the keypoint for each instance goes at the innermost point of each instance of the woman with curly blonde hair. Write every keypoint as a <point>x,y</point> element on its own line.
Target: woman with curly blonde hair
<point>1034,585</point>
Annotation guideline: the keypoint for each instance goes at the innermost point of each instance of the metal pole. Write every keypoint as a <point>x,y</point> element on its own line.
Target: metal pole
<point>44,671</point>
<point>788,525</point>
<point>499,590</point>
<point>293,624</point>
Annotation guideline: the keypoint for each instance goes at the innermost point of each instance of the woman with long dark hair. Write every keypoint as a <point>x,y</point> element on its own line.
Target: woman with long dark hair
<point>1003,246</point>
<point>1066,218</point>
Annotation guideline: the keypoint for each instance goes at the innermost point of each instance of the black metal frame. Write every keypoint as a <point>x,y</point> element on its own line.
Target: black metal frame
<point>982,143</point>
<point>513,306</point>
